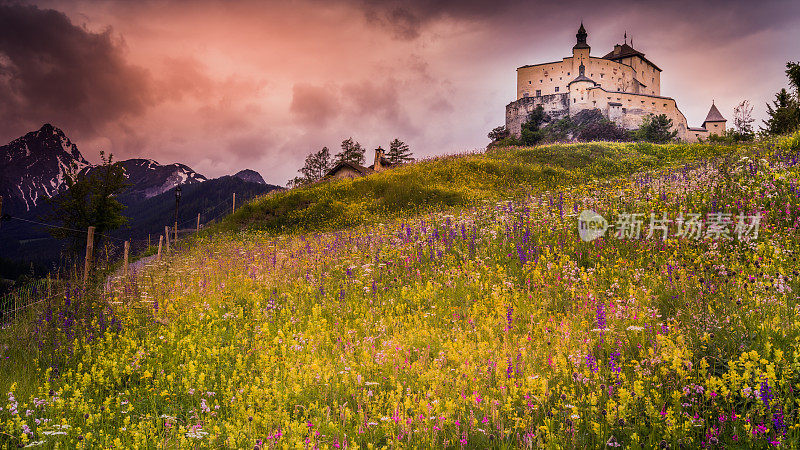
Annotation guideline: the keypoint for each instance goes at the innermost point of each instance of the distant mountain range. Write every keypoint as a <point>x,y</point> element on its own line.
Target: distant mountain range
<point>33,168</point>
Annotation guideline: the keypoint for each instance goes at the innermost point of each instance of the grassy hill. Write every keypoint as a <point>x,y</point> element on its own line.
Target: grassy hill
<point>455,181</point>
<point>451,304</point>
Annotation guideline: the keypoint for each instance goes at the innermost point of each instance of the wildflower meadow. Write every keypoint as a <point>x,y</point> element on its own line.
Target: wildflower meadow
<point>445,304</point>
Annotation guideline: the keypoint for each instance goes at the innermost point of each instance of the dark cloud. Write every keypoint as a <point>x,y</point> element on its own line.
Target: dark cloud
<point>54,71</point>
<point>407,19</point>
<point>314,105</point>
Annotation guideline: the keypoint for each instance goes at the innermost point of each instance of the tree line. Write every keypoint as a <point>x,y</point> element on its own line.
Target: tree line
<point>318,164</point>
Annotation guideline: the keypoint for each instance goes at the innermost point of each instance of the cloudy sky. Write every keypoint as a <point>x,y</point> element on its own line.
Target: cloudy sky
<point>255,84</point>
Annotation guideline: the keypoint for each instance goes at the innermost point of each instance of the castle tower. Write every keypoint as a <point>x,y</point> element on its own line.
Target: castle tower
<point>580,51</point>
<point>579,91</point>
<point>714,123</point>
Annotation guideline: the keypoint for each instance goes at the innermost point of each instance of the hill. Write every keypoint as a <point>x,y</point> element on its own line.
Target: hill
<point>477,318</point>
<point>462,180</point>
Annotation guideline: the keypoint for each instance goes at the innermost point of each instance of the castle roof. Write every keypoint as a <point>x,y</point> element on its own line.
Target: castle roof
<point>714,115</point>
<point>626,51</point>
<point>581,77</point>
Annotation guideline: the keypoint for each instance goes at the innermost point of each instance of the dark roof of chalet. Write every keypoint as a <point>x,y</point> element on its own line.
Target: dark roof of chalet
<point>696,129</point>
<point>346,164</point>
<point>714,115</point>
<point>626,51</point>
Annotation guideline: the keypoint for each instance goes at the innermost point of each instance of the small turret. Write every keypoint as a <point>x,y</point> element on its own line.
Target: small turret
<point>714,123</point>
<point>581,50</point>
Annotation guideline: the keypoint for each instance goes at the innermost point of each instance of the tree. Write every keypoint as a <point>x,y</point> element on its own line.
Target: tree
<point>316,166</point>
<point>398,152</point>
<point>656,128</point>
<point>793,72</point>
<point>531,133</point>
<point>90,200</point>
<point>603,130</point>
<point>784,114</point>
<point>499,133</point>
<point>351,152</point>
<point>743,118</point>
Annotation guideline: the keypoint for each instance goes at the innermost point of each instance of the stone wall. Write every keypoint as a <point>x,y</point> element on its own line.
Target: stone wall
<point>555,105</point>
<point>611,75</point>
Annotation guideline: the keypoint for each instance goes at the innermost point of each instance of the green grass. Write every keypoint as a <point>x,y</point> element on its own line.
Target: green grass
<point>455,181</point>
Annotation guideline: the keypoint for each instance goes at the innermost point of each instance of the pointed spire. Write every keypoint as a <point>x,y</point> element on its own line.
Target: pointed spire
<point>581,37</point>
<point>625,36</point>
<point>713,115</point>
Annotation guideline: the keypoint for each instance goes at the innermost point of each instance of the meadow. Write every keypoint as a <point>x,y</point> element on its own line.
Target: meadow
<point>446,304</point>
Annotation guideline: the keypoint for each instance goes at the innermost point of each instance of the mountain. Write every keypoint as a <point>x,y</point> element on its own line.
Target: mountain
<point>33,168</point>
<point>211,199</point>
<point>149,178</point>
<point>250,175</point>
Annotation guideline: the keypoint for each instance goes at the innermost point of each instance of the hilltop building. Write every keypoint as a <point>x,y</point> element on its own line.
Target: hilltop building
<point>345,169</point>
<point>624,85</point>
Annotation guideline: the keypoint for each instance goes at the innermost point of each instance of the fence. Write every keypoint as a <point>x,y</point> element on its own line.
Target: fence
<point>107,257</point>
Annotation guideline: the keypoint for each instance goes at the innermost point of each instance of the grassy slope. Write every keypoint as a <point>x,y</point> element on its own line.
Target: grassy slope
<point>455,181</point>
<point>235,274</point>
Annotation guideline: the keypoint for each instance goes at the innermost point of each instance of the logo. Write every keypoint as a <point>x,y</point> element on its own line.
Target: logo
<point>591,225</point>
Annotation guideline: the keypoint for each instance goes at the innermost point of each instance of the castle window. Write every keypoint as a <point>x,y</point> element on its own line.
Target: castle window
<point>567,73</point>
<point>654,103</point>
<point>601,75</point>
<point>551,79</point>
<point>529,82</point>
<point>556,88</point>
<point>624,110</point>
<point>665,105</point>
<point>538,92</point>
<point>574,100</point>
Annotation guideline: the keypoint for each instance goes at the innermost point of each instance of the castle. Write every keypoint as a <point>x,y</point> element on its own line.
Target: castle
<point>624,85</point>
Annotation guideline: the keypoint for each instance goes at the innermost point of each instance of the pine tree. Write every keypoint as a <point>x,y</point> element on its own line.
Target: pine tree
<point>351,152</point>
<point>399,152</point>
<point>656,128</point>
<point>784,114</point>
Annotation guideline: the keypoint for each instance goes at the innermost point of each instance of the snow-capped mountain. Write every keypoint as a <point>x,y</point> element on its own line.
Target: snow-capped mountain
<point>33,167</point>
<point>148,178</point>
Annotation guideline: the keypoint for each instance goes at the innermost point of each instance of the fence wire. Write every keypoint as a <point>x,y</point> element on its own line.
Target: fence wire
<point>107,261</point>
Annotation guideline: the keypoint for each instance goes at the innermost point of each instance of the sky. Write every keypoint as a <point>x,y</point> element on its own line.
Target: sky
<point>261,84</point>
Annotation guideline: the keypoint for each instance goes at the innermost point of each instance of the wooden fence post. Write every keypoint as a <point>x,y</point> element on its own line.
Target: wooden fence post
<point>166,238</point>
<point>89,248</point>
<point>1,210</point>
<point>176,233</point>
<point>160,241</point>
<point>125,264</point>
<point>234,203</point>
<point>198,222</point>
